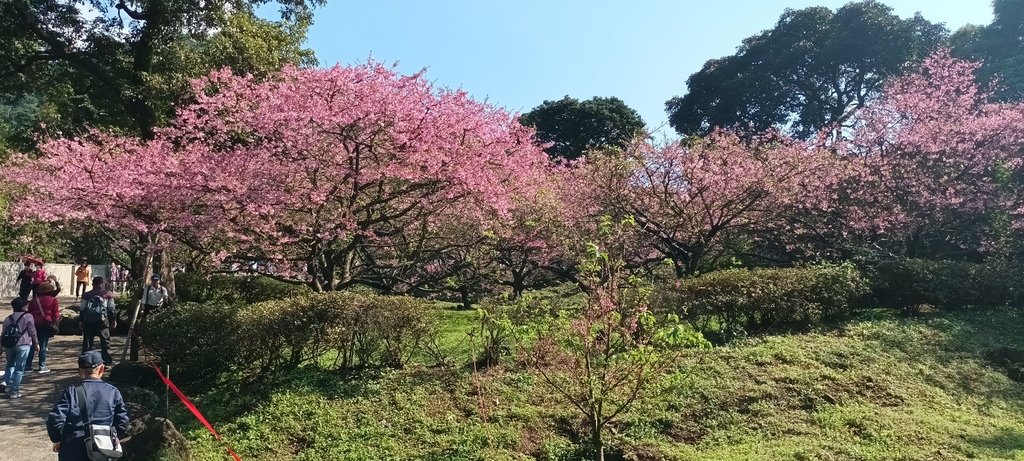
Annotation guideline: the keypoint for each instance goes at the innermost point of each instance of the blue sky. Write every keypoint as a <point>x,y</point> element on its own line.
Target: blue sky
<point>518,53</point>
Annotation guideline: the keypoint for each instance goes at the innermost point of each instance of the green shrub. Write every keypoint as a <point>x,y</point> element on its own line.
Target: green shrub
<point>950,284</point>
<point>247,289</point>
<point>764,299</point>
<point>361,329</point>
<point>288,332</point>
<point>203,341</point>
<point>382,330</point>
<point>199,341</point>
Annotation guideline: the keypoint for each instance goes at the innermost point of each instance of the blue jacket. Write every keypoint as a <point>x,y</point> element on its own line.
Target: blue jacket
<point>105,406</point>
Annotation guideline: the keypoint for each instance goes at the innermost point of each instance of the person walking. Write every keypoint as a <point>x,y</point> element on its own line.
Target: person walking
<point>97,316</point>
<point>25,279</point>
<point>82,276</point>
<point>153,297</point>
<point>18,337</point>
<point>114,277</point>
<point>45,310</point>
<point>102,403</point>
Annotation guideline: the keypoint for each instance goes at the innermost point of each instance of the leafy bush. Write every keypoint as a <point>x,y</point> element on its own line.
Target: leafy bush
<point>950,284</point>
<point>204,341</point>
<point>199,288</point>
<point>199,341</point>
<point>381,330</point>
<point>764,299</point>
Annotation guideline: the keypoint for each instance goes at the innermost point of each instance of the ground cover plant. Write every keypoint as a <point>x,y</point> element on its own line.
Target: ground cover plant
<point>881,386</point>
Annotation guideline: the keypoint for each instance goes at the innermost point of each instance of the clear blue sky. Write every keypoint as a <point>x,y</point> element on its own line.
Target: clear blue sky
<point>518,53</point>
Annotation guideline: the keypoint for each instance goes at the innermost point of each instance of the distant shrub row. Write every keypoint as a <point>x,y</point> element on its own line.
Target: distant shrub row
<point>233,289</point>
<point>946,284</point>
<point>764,299</point>
<point>784,299</point>
<point>342,330</point>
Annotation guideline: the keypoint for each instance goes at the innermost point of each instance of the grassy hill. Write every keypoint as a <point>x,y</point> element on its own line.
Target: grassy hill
<point>884,386</point>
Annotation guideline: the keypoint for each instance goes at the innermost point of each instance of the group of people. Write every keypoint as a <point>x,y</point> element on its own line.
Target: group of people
<point>117,278</point>
<point>26,333</point>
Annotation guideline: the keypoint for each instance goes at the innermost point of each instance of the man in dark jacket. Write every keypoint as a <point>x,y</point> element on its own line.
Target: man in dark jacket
<point>99,323</point>
<point>103,403</point>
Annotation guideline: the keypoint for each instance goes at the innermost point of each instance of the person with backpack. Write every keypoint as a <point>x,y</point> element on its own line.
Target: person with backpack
<point>17,338</point>
<point>45,310</point>
<point>90,417</point>
<point>97,316</point>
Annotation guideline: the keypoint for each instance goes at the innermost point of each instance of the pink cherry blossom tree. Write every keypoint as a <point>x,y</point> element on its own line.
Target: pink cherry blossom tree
<point>931,160</point>
<point>344,174</point>
<point>687,196</point>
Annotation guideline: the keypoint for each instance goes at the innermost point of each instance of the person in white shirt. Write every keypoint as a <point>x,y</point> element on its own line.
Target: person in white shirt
<point>153,297</point>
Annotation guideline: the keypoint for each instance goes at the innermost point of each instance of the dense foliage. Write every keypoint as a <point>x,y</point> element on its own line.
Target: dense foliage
<point>737,301</point>
<point>572,128</point>
<point>949,284</point>
<point>809,72</point>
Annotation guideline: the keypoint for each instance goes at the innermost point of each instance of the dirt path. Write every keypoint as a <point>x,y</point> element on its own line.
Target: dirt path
<point>23,421</point>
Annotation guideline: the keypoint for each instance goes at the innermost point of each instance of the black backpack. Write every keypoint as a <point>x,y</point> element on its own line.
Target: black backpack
<point>12,333</point>
<point>94,310</point>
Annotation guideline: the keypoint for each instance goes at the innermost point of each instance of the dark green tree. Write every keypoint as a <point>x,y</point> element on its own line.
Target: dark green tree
<point>574,127</point>
<point>812,70</point>
<point>999,46</point>
<point>124,63</point>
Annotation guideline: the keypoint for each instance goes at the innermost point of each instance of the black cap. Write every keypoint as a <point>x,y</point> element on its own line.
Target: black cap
<point>90,360</point>
<point>18,303</point>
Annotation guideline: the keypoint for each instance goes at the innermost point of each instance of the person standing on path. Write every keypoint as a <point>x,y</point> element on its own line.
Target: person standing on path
<point>17,353</point>
<point>103,403</point>
<point>25,278</point>
<point>97,316</point>
<point>114,277</point>
<point>82,276</point>
<point>45,310</point>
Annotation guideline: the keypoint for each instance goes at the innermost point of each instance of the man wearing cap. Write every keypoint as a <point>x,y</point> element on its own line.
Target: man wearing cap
<point>103,404</point>
<point>101,324</point>
<point>154,296</point>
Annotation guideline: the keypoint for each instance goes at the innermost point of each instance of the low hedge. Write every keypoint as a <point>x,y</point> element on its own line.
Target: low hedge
<point>244,289</point>
<point>949,284</point>
<point>341,330</point>
<point>759,300</point>
<point>199,341</point>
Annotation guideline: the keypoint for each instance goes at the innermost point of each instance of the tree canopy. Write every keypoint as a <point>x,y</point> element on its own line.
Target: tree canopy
<point>573,127</point>
<point>1000,48</point>
<point>125,63</point>
<point>812,70</point>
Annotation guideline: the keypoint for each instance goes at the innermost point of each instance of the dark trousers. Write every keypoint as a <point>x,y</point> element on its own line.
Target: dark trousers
<point>137,330</point>
<point>80,288</point>
<point>72,450</point>
<point>24,291</point>
<point>101,330</point>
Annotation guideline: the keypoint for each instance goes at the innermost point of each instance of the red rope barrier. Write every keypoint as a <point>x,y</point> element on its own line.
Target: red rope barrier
<point>195,411</point>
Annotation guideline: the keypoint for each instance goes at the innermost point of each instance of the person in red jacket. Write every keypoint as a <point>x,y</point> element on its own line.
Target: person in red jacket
<point>45,310</point>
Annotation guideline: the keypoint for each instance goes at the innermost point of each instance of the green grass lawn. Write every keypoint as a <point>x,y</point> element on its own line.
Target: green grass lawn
<point>880,387</point>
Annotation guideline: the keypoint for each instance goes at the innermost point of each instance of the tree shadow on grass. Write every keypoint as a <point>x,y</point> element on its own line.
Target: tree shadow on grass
<point>1006,443</point>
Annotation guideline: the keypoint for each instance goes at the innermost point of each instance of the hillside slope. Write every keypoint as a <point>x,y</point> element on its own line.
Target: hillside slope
<point>882,387</point>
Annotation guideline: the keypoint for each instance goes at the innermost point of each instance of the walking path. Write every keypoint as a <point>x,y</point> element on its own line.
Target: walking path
<point>23,421</point>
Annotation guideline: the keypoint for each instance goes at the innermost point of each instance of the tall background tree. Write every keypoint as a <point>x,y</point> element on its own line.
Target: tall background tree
<point>814,69</point>
<point>999,47</point>
<point>573,127</point>
<point>124,63</point>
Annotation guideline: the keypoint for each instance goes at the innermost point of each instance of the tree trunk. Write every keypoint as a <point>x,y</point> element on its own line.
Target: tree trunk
<point>595,439</point>
<point>467,303</point>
